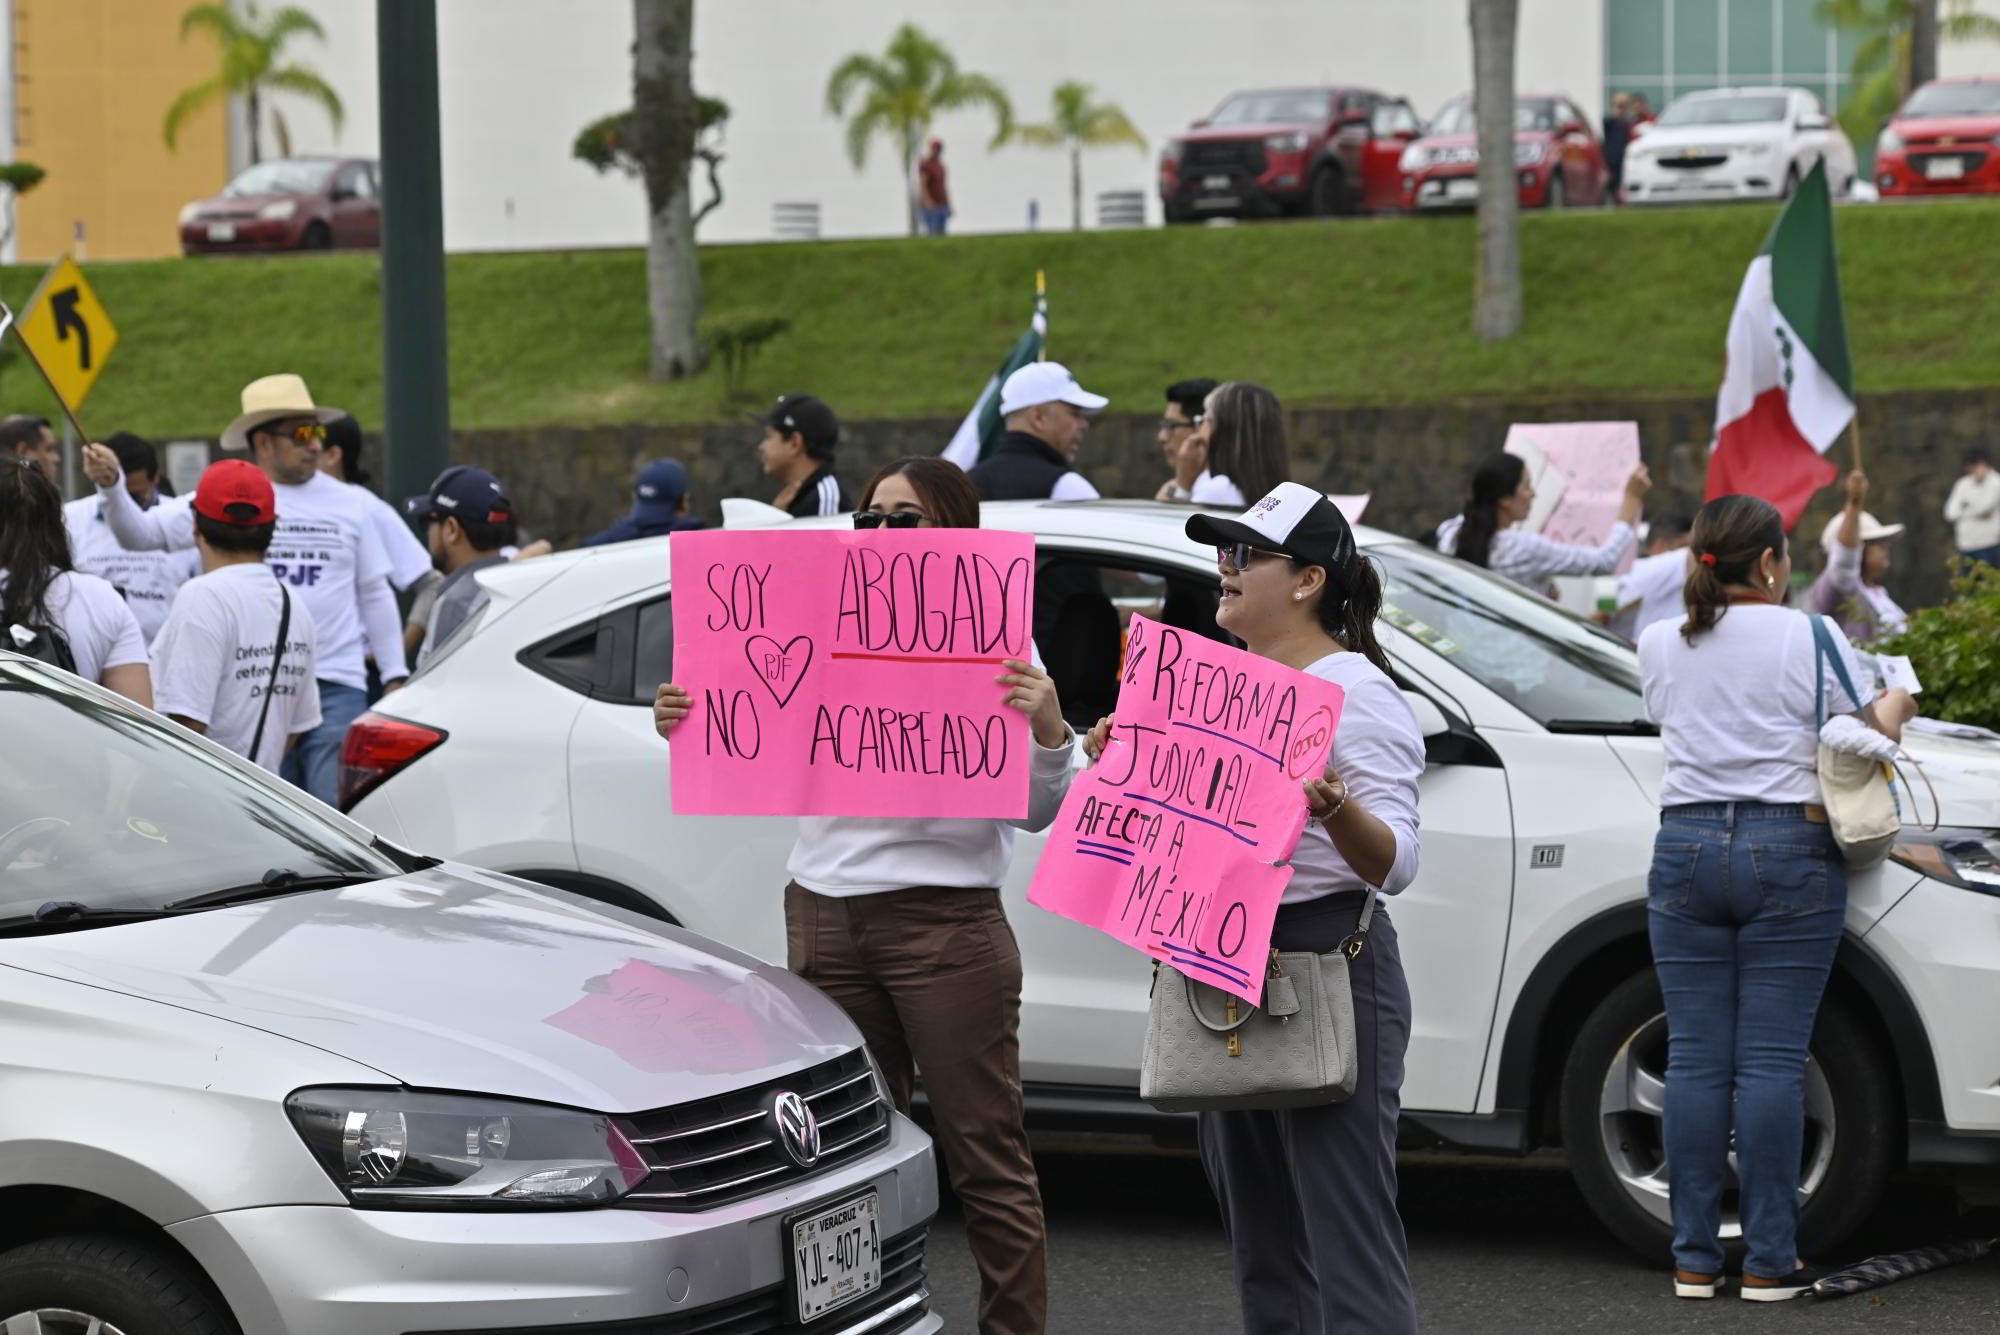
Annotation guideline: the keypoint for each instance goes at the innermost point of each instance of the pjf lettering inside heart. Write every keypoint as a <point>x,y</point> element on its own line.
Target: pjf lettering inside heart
<point>781,667</point>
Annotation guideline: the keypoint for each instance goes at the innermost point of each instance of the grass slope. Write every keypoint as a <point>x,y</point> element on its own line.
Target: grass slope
<point>1627,304</point>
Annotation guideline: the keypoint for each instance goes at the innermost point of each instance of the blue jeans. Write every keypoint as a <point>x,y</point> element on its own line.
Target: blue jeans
<point>1990,555</point>
<point>314,764</point>
<point>935,220</point>
<point>1746,902</point>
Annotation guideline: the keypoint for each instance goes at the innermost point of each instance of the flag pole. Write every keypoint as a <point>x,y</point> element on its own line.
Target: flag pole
<point>1041,306</point>
<point>1854,437</point>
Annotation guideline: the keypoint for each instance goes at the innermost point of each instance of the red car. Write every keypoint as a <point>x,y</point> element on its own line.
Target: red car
<point>1317,151</point>
<point>1557,157</point>
<point>1945,141</point>
<point>289,204</point>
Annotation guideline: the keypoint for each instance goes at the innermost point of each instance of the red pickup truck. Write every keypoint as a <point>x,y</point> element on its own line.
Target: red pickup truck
<point>1315,151</point>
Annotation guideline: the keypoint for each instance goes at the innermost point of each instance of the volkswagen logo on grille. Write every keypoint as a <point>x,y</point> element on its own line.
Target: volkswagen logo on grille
<point>797,1129</point>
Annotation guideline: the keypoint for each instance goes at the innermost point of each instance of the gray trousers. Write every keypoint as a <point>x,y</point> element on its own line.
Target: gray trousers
<point>1308,1195</point>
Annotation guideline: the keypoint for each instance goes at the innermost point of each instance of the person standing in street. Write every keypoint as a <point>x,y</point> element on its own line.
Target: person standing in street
<point>1186,401</point>
<point>467,520</point>
<point>52,612</point>
<point>1747,891</point>
<point>899,920</point>
<point>801,436</point>
<point>1308,1195</point>
<point>324,548</point>
<point>1047,415</point>
<point>146,580</point>
<point>1241,444</point>
<point>933,197</point>
<point>1857,557</point>
<point>659,506</point>
<point>340,458</point>
<point>1617,135</point>
<point>30,440</point>
<point>1973,509</point>
<point>236,660</point>
<point>1651,590</point>
<point>1502,496</point>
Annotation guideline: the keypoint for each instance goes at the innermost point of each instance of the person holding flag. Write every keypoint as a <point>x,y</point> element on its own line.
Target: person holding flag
<point>1857,556</point>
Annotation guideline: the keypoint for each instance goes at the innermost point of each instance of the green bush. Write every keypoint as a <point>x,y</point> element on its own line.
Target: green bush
<point>1955,648</point>
<point>735,338</point>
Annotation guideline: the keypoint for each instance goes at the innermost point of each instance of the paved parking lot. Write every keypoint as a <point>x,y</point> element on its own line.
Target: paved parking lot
<point>1498,1247</point>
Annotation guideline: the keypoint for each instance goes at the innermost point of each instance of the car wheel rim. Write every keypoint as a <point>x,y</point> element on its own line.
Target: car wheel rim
<point>56,1321</point>
<point>1629,1121</point>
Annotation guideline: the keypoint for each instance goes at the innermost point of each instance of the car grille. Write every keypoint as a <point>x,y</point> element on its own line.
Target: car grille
<point>1217,156</point>
<point>725,1148</point>
<point>1699,160</point>
<point>1920,160</point>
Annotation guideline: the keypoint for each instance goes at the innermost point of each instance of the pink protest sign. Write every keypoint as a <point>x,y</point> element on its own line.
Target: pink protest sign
<point>1579,471</point>
<point>1173,841</point>
<point>851,673</point>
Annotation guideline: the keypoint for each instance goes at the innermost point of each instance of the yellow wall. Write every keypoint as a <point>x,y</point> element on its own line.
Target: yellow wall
<point>92,82</point>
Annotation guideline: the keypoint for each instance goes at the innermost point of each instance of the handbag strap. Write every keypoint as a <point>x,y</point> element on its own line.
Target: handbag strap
<point>277,661</point>
<point>1826,653</point>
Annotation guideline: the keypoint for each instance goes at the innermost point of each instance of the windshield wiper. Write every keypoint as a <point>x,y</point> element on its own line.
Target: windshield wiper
<point>1637,727</point>
<point>277,881</point>
<point>58,914</point>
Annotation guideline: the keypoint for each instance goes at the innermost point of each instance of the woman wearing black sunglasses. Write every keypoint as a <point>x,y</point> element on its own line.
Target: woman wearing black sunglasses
<point>899,920</point>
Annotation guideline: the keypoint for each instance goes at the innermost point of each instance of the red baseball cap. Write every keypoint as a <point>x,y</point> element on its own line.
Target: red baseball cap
<point>235,491</point>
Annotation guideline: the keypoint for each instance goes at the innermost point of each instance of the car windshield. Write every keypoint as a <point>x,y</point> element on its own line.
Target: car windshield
<point>117,809</point>
<point>1263,108</point>
<point>1725,111</point>
<point>1457,118</point>
<point>281,178</point>
<point>1954,99</point>
<point>1553,666</point>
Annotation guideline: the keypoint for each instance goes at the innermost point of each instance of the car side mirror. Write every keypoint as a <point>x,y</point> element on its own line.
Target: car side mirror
<point>1201,124</point>
<point>1813,123</point>
<point>1431,721</point>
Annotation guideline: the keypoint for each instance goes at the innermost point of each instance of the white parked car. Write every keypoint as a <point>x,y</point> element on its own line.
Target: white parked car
<point>1736,143</point>
<point>528,746</point>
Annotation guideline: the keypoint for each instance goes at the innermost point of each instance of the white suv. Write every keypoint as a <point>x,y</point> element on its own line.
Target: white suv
<point>528,746</point>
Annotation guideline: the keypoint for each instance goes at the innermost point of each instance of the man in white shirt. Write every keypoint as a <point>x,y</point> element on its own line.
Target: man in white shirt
<point>324,548</point>
<point>147,580</point>
<point>1651,590</point>
<point>235,659</point>
<point>1047,415</point>
<point>1973,508</point>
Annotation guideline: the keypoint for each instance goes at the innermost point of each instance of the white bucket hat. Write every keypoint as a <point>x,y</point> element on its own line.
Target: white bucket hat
<point>1871,529</point>
<point>268,400</point>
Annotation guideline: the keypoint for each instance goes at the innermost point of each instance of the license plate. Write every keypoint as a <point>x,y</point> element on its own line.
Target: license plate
<point>1944,169</point>
<point>222,231</point>
<point>836,1255</point>
<point>1215,182</point>
<point>1216,202</point>
<point>1462,189</point>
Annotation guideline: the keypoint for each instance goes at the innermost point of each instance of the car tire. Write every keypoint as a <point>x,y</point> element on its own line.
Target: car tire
<point>1853,1132</point>
<point>1326,193</point>
<point>1553,198</point>
<point>128,1286</point>
<point>318,236</point>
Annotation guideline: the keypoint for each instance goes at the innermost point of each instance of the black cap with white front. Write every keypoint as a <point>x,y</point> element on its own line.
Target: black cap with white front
<point>1293,520</point>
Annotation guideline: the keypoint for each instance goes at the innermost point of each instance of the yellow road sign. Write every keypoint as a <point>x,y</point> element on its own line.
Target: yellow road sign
<point>68,331</point>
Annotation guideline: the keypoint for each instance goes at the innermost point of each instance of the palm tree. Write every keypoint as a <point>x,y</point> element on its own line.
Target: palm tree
<point>1496,304</point>
<point>1887,59</point>
<point>250,69</point>
<point>665,119</point>
<point>903,90</point>
<point>1080,123</point>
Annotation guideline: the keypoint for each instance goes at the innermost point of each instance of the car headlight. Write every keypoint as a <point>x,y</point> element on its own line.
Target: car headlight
<point>1968,859</point>
<point>1414,159</point>
<point>279,210</point>
<point>189,212</point>
<point>1528,154</point>
<point>1285,143</point>
<point>1890,142</point>
<point>1171,151</point>
<point>392,1149</point>
<point>1757,148</point>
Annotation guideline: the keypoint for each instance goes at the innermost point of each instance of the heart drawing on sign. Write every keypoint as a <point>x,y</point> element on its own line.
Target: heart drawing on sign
<point>781,667</point>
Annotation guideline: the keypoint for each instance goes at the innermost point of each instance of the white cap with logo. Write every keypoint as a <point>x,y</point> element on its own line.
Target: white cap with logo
<point>1045,382</point>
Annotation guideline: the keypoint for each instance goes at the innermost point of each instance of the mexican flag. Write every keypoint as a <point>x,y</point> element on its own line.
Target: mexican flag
<point>980,430</point>
<point>1788,389</point>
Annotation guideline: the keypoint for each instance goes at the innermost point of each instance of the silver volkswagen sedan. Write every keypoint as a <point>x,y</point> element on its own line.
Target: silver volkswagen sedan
<point>265,1073</point>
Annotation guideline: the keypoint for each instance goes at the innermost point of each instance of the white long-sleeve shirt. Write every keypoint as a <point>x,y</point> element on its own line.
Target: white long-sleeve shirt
<point>1973,508</point>
<point>1379,755</point>
<point>325,547</point>
<point>1531,560</point>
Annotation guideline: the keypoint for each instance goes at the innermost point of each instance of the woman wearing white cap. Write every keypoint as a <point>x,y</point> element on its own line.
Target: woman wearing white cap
<point>1857,556</point>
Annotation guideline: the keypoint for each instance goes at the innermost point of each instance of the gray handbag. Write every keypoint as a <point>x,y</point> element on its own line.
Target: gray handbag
<point>1207,1050</point>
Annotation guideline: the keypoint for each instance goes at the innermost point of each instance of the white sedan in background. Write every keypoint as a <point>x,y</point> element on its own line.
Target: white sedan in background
<point>527,745</point>
<point>1736,143</point>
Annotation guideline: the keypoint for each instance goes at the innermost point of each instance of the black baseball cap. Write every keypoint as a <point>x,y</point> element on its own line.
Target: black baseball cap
<point>809,417</point>
<point>1293,520</point>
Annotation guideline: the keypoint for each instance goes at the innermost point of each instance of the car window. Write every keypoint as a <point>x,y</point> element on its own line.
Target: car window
<point>1084,605</point>
<point>113,807</point>
<point>355,182</point>
<point>1283,105</point>
<point>653,653</point>
<point>1394,118</point>
<point>284,177</point>
<point>1548,663</point>
<point>1457,118</point>
<point>1755,110</point>
<point>1954,99</point>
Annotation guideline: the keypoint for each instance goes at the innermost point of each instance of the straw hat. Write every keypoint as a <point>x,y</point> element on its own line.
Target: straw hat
<point>272,399</point>
<point>1871,529</point>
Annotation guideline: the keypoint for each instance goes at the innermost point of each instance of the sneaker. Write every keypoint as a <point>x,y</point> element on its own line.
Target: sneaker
<point>1798,1284</point>
<point>1690,1284</point>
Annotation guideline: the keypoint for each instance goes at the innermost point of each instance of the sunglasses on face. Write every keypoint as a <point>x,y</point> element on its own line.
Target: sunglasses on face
<point>1240,555</point>
<point>889,518</point>
<point>303,431</point>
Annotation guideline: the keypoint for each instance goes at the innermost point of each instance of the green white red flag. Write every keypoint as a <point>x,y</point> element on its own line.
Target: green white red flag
<point>1788,389</point>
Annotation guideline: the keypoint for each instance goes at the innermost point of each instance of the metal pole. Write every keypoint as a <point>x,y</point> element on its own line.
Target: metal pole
<point>416,391</point>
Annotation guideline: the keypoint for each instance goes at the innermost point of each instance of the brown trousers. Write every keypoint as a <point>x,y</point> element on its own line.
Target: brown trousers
<point>932,978</point>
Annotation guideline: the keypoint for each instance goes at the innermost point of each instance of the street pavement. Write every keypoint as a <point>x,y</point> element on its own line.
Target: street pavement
<point>1497,1247</point>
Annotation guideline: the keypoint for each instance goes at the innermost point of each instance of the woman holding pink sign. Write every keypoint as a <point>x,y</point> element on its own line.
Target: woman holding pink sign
<point>1502,496</point>
<point>899,920</point>
<point>1308,1195</point>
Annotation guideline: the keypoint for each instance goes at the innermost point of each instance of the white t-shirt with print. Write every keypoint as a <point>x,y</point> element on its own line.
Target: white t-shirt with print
<point>148,580</point>
<point>409,561</point>
<point>1216,489</point>
<point>100,628</point>
<point>212,661</point>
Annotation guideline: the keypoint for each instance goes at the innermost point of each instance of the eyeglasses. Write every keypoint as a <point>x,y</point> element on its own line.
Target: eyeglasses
<point>1192,423</point>
<point>1240,555</point>
<point>305,431</point>
<point>889,518</point>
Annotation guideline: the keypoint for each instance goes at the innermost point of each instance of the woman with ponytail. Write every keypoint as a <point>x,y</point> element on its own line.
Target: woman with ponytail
<point>1502,495</point>
<point>1308,1195</point>
<point>1747,891</point>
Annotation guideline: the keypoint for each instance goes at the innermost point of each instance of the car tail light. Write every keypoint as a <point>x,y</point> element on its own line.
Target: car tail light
<point>378,746</point>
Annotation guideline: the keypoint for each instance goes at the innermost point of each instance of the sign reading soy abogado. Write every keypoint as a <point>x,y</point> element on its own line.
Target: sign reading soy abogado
<point>1177,841</point>
<point>851,673</point>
